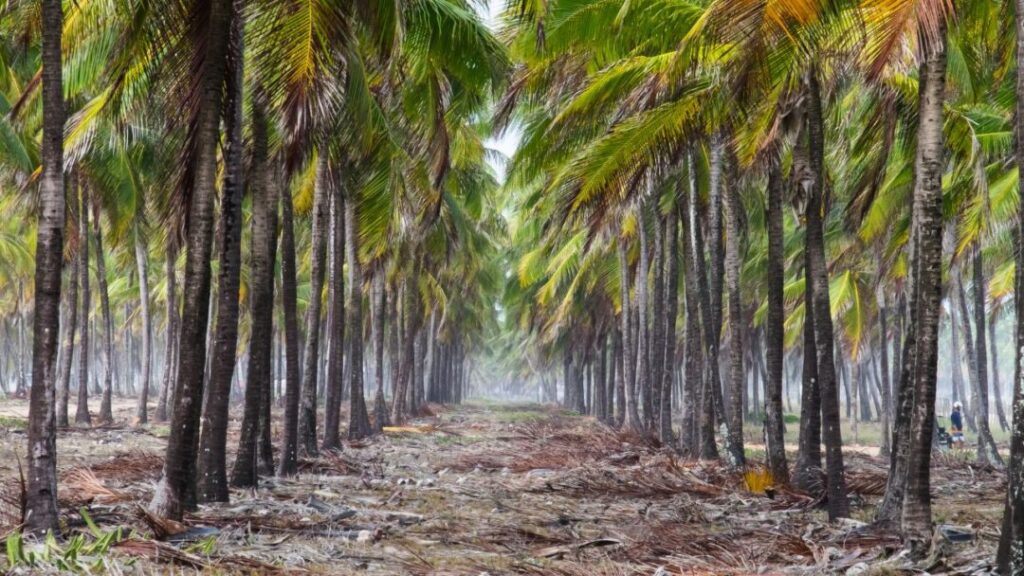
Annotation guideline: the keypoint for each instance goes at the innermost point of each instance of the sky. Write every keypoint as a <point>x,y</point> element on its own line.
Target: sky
<point>509,141</point>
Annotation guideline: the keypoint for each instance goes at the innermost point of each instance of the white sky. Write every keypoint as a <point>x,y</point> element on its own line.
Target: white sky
<point>509,141</point>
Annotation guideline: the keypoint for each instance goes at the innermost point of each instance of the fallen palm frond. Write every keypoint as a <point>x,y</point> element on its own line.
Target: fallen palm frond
<point>161,527</point>
<point>333,463</point>
<point>129,467</point>
<point>84,485</point>
<point>159,552</point>
<point>424,429</point>
<point>865,482</point>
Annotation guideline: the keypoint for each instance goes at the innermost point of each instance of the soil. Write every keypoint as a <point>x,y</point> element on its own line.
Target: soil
<point>495,489</point>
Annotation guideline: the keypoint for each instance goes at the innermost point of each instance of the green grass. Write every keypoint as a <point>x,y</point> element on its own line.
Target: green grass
<point>13,422</point>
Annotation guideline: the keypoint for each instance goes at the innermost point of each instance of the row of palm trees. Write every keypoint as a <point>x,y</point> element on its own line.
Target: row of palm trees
<point>236,158</point>
<point>817,176</point>
<point>822,175</point>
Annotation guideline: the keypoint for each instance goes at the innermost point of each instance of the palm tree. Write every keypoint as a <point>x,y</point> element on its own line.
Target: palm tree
<point>169,499</point>
<point>311,362</point>
<point>212,483</point>
<point>41,491</point>
<point>775,327</point>
<point>82,417</point>
<point>264,254</point>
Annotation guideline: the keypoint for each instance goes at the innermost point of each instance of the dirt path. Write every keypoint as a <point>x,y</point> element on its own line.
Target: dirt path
<point>486,489</point>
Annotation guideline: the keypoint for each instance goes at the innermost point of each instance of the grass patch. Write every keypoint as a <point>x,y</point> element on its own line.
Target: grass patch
<point>13,422</point>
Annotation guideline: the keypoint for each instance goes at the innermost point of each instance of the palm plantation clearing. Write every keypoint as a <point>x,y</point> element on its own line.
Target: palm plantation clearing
<point>273,301</point>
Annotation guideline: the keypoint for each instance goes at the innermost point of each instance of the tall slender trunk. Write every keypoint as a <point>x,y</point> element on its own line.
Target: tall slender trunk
<point>263,253</point>
<point>142,263</point>
<point>658,320</point>
<point>82,417</point>
<point>997,386</point>
<point>179,464</point>
<point>956,375</point>
<point>838,506</point>
<point>41,491</point>
<point>775,329</point>
<point>107,349</point>
<point>927,220</point>
<point>1010,557</point>
<point>692,413</point>
<point>630,417</point>
<point>336,312</point>
<point>886,387</point>
<point>311,363</point>
<point>987,451</point>
<point>667,366</point>
<point>411,311</point>
<point>288,465</point>
<point>378,303</point>
<point>212,480</point>
<point>68,353</point>
<point>643,365</point>
<point>733,262</point>
<point>359,419</point>
<point>171,333</point>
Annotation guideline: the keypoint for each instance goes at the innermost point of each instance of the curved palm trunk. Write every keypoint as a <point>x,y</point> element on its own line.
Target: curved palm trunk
<point>41,490</point>
<point>838,506</point>
<point>142,263</point>
<point>737,375</point>
<point>359,420</point>
<point>171,336</point>
<point>311,359</point>
<point>917,517</point>
<point>775,329</point>
<point>107,349</point>
<point>378,296</point>
<point>179,464</point>
<point>82,417</point>
<point>336,312</point>
<point>212,483</point>
<point>261,334</point>
<point>288,465</point>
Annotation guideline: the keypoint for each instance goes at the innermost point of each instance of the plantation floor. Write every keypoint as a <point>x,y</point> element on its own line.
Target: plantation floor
<point>493,489</point>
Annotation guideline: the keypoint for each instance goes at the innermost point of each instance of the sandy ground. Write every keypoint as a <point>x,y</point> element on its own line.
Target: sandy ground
<point>492,489</point>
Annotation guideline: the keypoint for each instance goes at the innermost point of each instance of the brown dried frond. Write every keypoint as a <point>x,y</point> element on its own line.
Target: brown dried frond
<point>84,485</point>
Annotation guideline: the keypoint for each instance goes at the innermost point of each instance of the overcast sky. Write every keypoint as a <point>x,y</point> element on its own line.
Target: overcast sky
<point>509,141</point>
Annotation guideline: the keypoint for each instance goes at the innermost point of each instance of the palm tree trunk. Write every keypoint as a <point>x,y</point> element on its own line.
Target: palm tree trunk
<point>671,311</point>
<point>997,386</point>
<point>336,312</point>
<point>658,320</point>
<point>179,464</point>
<point>82,417</point>
<point>212,483</point>
<point>927,220</point>
<point>264,255</point>
<point>359,419</point>
<point>737,375</point>
<point>378,298</point>
<point>288,465</point>
<point>838,506</point>
<point>142,263</point>
<point>171,334</point>
<point>689,429</point>
<point>630,417</point>
<point>411,310</point>
<point>711,389</point>
<point>106,412</point>
<point>41,510</point>
<point>775,329</point>
<point>886,387</point>
<point>1010,557</point>
<point>987,451</point>
<point>643,366</point>
<point>311,364</point>
<point>68,354</point>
